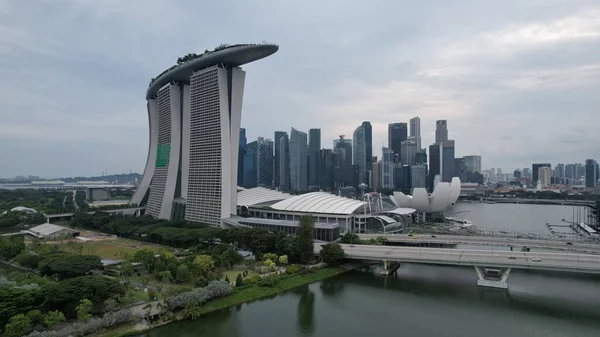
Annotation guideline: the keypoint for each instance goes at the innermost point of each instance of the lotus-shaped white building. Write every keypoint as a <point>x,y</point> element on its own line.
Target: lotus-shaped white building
<point>444,195</point>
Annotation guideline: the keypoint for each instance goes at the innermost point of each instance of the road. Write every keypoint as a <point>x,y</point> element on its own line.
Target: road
<point>567,262</point>
<point>587,248</point>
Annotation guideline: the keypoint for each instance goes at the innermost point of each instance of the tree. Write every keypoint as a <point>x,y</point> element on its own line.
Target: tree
<point>202,265</point>
<point>18,325</point>
<point>239,281</point>
<point>35,316</point>
<point>305,239</point>
<point>146,257</point>
<point>70,265</point>
<point>164,276</point>
<point>16,300</point>
<point>67,294</point>
<point>270,256</point>
<point>231,257</point>
<point>283,260</point>
<point>84,310</point>
<point>148,309</point>
<point>110,305</point>
<point>350,238</point>
<point>152,295</point>
<point>54,318</point>
<point>183,274</point>
<point>11,246</point>
<point>227,279</point>
<point>28,260</point>
<point>126,268</point>
<point>192,310</point>
<point>332,254</point>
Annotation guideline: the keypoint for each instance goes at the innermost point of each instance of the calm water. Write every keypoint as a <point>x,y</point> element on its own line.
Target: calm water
<point>512,216</point>
<point>422,300</point>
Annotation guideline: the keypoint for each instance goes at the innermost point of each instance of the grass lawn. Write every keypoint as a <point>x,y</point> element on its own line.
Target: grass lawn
<point>109,250</point>
<point>253,293</point>
<point>233,272</point>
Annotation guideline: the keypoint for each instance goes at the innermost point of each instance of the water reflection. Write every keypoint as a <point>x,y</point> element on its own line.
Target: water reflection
<point>331,287</point>
<point>306,311</point>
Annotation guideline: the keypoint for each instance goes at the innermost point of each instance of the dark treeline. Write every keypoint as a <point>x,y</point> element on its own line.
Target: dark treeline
<point>183,234</point>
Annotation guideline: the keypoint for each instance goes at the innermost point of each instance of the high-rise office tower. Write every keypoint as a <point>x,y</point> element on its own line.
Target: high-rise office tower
<point>415,130</point>
<point>535,169</point>
<point>579,171</point>
<point>447,160</point>
<point>251,165</point>
<point>194,111</point>
<point>265,162</point>
<point>314,147</point>
<point>326,169</point>
<point>284,162</point>
<point>342,149</point>
<point>591,174</point>
<point>460,169</point>
<point>441,131</point>
<point>397,133</point>
<point>277,159</point>
<point>376,175</point>
<point>403,178</point>
<point>544,175</point>
<point>570,171</point>
<point>361,155</point>
<point>434,165</point>
<point>472,163</point>
<point>387,168</point>
<point>421,157</point>
<point>408,154</point>
<point>298,161</point>
<point>526,173</point>
<point>368,145</point>
<point>241,150</point>
<point>418,174</point>
<point>517,174</point>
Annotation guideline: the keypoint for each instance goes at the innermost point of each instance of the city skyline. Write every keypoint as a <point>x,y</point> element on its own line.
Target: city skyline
<point>74,93</point>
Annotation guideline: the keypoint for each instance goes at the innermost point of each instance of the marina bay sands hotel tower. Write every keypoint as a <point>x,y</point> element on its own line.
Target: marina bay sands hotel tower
<point>194,110</point>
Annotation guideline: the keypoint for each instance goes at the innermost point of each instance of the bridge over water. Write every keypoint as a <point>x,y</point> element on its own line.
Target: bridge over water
<point>492,267</point>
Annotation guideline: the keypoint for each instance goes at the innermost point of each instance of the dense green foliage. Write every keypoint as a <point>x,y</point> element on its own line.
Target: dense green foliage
<point>306,239</point>
<point>332,254</point>
<point>11,246</point>
<point>18,299</point>
<point>66,266</point>
<point>47,201</point>
<point>67,294</point>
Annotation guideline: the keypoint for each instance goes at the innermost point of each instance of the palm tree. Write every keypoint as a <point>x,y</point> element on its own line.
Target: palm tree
<point>192,310</point>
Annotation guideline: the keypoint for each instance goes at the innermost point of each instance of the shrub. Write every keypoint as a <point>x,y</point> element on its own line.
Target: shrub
<point>270,256</point>
<point>283,260</point>
<point>268,281</point>
<point>199,295</point>
<point>239,281</point>
<point>254,279</point>
<point>293,269</point>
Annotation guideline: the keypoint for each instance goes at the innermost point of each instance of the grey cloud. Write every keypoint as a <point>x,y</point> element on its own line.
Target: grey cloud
<point>74,75</point>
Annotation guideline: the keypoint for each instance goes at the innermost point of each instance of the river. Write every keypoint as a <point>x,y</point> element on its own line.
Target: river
<point>422,300</point>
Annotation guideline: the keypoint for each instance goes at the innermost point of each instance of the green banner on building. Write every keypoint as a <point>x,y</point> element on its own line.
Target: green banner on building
<point>162,155</point>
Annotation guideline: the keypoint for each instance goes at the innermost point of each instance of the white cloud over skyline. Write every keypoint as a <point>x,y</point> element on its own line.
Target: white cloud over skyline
<point>517,80</point>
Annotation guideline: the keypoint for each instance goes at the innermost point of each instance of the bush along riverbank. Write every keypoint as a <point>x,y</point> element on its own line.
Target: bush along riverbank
<point>253,289</point>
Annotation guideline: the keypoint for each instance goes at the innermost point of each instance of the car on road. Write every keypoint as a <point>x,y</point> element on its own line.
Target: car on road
<point>570,243</point>
<point>433,236</point>
<point>512,257</point>
<point>536,259</point>
<point>410,235</point>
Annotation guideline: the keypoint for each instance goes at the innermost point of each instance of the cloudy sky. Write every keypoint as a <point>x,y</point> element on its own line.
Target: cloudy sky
<point>517,80</point>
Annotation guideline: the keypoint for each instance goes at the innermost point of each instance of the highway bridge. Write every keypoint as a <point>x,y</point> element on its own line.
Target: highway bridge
<point>542,201</point>
<point>492,267</point>
<point>435,239</point>
<point>68,216</point>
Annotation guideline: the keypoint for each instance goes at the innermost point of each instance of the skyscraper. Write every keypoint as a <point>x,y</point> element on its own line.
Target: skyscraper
<point>447,160</point>
<point>277,159</point>
<point>342,149</point>
<point>359,153</point>
<point>441,131</point>
<point>314,147</point>
<point>535,169</point>
<point>397,133</point>
<point>298,161</point>
<point>242,149</point>
<point>265,162</point>
<point>376,175</point>
<point>326,169</point>
<point>251,165</point>
<point>408,155</point>
<point>434,165</point>
<point>387,168</point>
<point>473,163</point>
<point>284,162</point>
<point>544,175</point>
<point>194,111</point>
<point>460,169</point>
<point>591,174</point>
<point>418,174</point>
<point>415,130</point>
